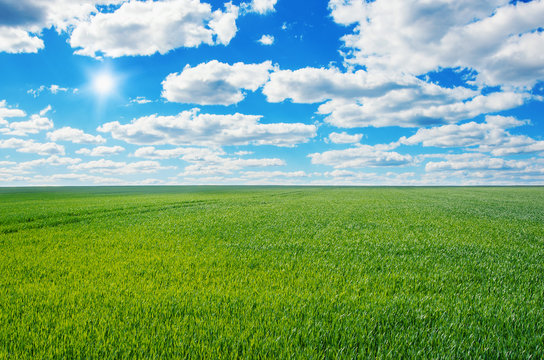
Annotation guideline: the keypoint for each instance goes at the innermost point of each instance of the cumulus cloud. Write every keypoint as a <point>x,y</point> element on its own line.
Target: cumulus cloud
<point>31,146</point>
<point>194,128</point>
<point>34,125</point>
<point>473,162</point>
<point>266,40</point>
<point>206,161</point>
<point>422,106</point>
<point>186,153</point>
<point>76,136</point>
<point>214,165</point>
<point>53,160</point>
<point>344,138</point>
<point>101,151</point>
<point>8,112</point>
<point>268,175</point>
<point>490,136</point>
<point>215,83</point>
<point>375,98</point>
<point>74,178</point>
<point>312,85</point>
<point>361,156</point>
<point>497,38</point>
<point>354,178</point>
<point>260,6</point>
<point>146,28</point>
<point>133,28</point>
<point>119,167</point>
<point>21,22</point>
<point>16,41</point>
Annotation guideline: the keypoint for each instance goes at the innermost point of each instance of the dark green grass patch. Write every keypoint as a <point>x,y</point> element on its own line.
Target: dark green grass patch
<point>264,272</point>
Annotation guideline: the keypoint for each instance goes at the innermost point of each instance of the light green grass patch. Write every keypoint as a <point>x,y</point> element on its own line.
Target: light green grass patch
<point>271,272</point>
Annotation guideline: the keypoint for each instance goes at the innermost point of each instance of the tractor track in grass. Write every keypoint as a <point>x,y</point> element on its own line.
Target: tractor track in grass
<point>44,221</point>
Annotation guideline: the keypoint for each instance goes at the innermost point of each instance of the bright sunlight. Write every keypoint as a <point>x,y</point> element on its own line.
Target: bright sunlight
<point>104,83</point>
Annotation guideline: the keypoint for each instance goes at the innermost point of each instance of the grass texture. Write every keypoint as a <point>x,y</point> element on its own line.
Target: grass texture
<point>271,272</point>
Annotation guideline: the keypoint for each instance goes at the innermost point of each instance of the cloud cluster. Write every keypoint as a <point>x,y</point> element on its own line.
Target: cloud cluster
<point>266,40</point>
<point>119,167</point>
<point>145,28</point>
<point>53,89</point>
<point>31,146</point>
<point>426,105</point>
<point>101,151</point>
<point>206,161</point>
<point>344,138</point>
<point>116,28</point>
<point>16,41</point>
<point>215,83</point>
<point>378,99</point>
<point>497,38</point>
<point>490,136</point>
<point>194,128</point>
<point>259,6</point>
<point>313,85</point>
<point>22,21</point>
<point>361,156</point>
<point>34,125</point>
<point>75,136</point>
<point>8,112</point>
<point>225,165</point>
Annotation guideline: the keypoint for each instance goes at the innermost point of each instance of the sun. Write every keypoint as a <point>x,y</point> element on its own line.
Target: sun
<point>104,83</point>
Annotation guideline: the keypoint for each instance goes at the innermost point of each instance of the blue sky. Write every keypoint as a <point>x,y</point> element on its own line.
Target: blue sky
<point>338,92</point>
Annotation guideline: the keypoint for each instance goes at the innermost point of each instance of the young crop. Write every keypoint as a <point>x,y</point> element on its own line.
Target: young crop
<point>271,272</point>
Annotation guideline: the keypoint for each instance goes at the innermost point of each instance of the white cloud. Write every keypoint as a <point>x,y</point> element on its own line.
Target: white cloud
<point>213,165</point>
<point>260,6</point>
<point>23,20</point>
<point>120,167</point>
<point>361,156</point>
<point>30,146</point>
<point>215,83</point>
<point>266,40</point>
<point>187,153</point>
<point>476,162</point>
<point>361,98</point>
<point>36,124</point>
<point>140,100</point>
<point>8,112</point>
<point>422,106</point>
<point>53,89</point>
<point>344,138</point>
<point>313,85</point>
<point>270,175</point>
<point>53,160</point>
<point>101,151</point>
<point>76,136</point>
<point>45,110</point>
<point>77,178</point>
<point>145,28</point>
<point>497,39</point>
<point>490,136</point>
<point>349,177</point>
<point>194,128</point>
<point>16,41</point>
<point>206,161</point>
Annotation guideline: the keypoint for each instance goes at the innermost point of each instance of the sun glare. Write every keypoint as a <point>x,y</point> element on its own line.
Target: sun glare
<point>103,83</point>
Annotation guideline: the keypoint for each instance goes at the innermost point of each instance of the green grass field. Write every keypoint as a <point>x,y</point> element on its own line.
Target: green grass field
<point>271,272</point>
